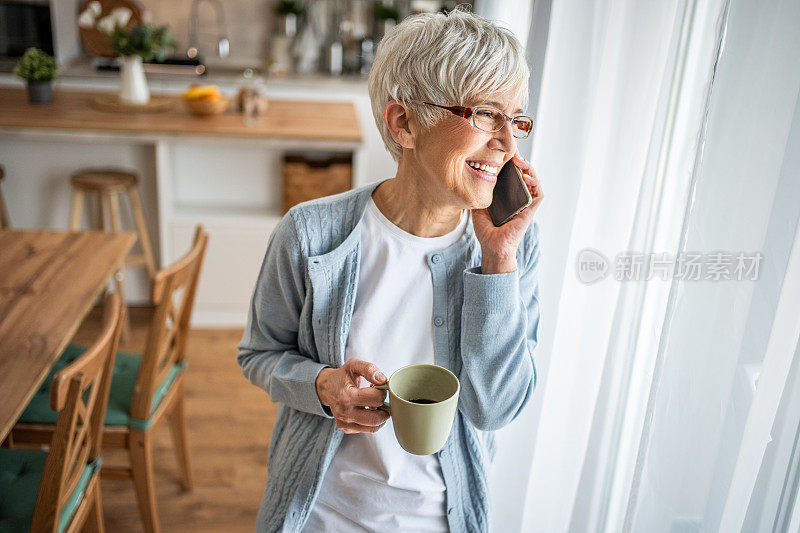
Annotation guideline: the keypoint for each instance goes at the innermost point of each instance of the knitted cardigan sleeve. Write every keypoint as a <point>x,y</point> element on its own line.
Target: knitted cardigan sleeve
<point>268,353</point>
<point>499,331</point>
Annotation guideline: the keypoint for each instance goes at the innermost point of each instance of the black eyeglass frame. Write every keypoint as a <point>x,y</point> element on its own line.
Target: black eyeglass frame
<point>469,112</point>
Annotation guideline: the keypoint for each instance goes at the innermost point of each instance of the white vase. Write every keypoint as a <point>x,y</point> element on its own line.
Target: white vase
<point>133,85</point>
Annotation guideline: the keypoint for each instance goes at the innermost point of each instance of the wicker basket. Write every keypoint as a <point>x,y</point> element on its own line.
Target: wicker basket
<point>313,175</point>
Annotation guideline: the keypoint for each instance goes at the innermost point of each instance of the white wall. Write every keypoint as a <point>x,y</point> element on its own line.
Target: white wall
<point>513,14</point>
<point>65,32</point>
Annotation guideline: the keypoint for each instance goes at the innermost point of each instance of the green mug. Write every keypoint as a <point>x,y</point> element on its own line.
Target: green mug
<point>422,403</point>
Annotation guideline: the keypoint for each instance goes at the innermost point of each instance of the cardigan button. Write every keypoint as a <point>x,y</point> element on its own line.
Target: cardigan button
<point>436,258</point>
<point>438,321</point>
<point>451,510</point>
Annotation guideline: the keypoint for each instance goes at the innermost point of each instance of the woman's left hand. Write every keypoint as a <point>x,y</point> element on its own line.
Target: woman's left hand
<point>499,244</point>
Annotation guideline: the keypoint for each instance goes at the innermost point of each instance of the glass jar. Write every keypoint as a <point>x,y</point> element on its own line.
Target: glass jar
<point>251,99</point>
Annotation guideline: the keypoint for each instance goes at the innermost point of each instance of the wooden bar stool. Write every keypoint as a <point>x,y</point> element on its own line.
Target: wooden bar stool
<point>108,184</point>
<point>4,222</point>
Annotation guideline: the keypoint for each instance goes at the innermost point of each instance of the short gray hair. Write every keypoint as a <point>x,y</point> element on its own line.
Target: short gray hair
<point>449,59</point>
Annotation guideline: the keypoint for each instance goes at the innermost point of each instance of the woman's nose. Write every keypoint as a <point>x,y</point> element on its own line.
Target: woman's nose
<point>504,139</point>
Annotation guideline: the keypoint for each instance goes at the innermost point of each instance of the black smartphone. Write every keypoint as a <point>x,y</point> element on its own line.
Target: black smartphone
<point>511,196</point>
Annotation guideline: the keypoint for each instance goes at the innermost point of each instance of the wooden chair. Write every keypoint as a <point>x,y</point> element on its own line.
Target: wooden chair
<point>146,388</point>
<point>59,490</point>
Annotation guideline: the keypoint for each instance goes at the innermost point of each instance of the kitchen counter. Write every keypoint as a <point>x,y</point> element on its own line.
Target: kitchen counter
<point>284,119</point>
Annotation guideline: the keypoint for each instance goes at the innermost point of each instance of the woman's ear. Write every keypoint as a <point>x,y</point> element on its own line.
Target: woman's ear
<point>397,118</point>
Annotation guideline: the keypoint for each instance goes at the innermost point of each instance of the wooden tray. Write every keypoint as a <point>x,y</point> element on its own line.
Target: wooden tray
<point>110,102</point>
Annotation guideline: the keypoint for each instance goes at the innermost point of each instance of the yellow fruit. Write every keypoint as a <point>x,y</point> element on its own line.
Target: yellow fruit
<point>201,91</point>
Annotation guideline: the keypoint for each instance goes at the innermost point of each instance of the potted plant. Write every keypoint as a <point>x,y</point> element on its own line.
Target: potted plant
<point>386,17</point>
<point>133,42</point>
<point>39,69</point>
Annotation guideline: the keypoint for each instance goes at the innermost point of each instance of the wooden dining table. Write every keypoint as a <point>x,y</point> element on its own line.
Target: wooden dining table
<point>49,281</point>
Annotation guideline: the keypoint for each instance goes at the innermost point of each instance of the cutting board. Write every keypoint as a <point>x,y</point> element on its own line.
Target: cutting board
<point>94,41</point>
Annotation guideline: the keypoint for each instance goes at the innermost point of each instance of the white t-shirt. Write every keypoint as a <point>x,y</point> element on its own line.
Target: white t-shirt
<point>373,484</point>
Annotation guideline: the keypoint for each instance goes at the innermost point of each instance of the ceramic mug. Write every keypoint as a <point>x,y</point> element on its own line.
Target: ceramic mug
<point>422,403</point>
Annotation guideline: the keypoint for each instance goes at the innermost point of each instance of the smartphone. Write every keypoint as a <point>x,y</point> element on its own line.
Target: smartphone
<point>511,196</point>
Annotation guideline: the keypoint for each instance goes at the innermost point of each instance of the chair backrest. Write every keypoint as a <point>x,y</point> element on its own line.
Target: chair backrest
<point>173,291</point>
<point>79,392</point>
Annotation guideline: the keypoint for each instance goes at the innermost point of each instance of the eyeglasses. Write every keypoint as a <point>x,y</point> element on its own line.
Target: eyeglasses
<point>491,119</point>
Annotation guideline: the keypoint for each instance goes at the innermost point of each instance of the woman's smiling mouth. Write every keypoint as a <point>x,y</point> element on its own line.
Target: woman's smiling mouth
<point>483,171</point>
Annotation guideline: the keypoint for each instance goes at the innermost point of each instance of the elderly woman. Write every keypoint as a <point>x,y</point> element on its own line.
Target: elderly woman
<point>407,270</point>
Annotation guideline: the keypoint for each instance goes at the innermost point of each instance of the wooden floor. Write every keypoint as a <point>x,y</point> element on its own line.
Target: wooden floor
<point>230,422</point>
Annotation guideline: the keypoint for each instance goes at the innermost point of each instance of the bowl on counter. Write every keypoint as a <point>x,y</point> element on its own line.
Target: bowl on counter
<point>203,107</point>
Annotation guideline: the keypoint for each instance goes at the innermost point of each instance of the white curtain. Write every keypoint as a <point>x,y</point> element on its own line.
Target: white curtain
<point>727,347</point>
<point>666,127</point>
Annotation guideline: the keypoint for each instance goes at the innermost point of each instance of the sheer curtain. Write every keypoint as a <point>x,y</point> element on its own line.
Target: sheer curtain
<point>667,135</point>
<point>607,70</point>
<point>727,346</point>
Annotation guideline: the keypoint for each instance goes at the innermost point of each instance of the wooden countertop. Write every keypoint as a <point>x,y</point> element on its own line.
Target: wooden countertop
<point>284,119</point>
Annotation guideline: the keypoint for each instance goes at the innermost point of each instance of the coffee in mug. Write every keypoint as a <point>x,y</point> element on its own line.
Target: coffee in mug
<point>422,403</point>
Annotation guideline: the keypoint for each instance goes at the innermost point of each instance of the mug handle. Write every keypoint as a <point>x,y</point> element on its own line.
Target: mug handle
<point>385,407</point>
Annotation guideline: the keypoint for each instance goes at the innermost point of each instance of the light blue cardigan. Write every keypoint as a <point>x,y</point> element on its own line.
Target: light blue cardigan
<point>485,331</point>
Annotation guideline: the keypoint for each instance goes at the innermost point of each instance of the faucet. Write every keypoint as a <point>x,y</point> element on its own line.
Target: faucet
<point>223,45</point>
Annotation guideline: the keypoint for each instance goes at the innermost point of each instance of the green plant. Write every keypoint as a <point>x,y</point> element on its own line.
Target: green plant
<point>143,40</point>
<point>383,12</point>
<point>288,7</point>
<point>36,65</point>
<point>448,6</point>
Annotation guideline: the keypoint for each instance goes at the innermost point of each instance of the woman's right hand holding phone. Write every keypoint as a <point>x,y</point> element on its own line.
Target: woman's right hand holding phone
<point>338,388</point>
<point>499,244</point>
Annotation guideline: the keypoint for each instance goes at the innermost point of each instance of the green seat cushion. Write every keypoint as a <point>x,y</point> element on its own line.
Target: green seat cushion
<point>123,382</point>
<point>20,475</point>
